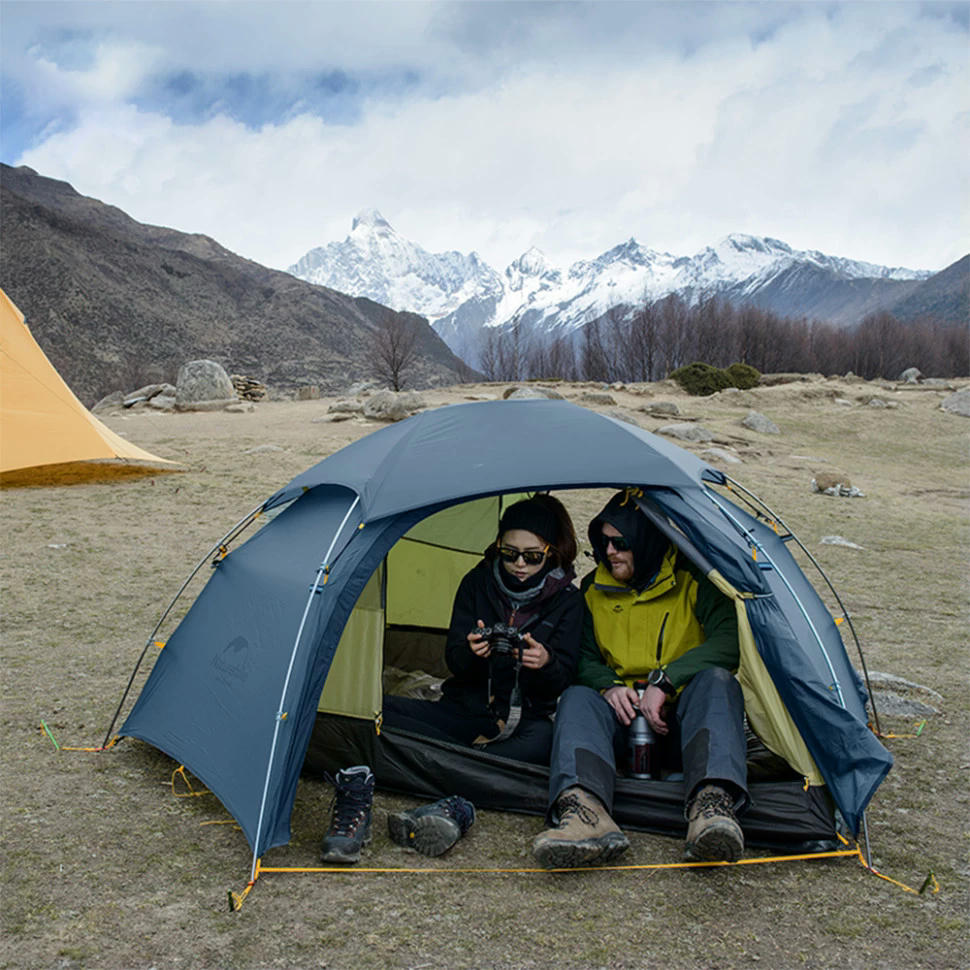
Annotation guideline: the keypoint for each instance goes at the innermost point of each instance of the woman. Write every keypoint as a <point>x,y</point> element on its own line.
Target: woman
<point>504,683</point>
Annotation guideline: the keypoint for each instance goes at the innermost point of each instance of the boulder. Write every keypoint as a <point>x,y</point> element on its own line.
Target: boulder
<point>203,385</point>
<point>758,422</point>
<point>109,402</point>
<point>958,403</point>
<point>145,393</point>
<point>345,407</point>
<point>392,405</point>
<point>912,375</point>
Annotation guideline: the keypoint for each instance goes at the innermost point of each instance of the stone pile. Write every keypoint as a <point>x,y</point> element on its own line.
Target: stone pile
<point>248,388</point>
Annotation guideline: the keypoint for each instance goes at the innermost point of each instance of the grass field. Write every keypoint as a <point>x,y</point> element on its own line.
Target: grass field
<point>105,868</point>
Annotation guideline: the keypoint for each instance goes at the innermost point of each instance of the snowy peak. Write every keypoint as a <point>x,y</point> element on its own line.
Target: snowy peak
<point>370,219</point>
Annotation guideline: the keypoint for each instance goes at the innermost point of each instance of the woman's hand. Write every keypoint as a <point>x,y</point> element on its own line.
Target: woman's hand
<point>477,645</point>
<point>534,654</point>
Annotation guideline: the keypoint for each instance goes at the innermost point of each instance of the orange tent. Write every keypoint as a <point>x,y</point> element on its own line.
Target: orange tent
<point>47,436</point>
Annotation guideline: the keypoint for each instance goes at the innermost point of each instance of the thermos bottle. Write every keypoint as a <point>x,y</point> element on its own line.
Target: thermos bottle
<point>642,741</point>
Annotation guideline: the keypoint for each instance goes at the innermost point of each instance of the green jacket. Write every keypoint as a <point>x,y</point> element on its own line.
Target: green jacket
<point>681,622</point>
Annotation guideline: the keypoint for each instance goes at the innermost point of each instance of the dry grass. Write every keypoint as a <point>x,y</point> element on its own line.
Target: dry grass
<point>104,868</point>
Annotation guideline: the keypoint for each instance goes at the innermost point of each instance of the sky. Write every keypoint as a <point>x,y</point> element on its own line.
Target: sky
<point>498,126</point>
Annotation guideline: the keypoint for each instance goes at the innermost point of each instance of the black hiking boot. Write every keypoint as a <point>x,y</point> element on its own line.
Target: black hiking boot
<point>350,823</point>
<point>432,829</point>
<point>713,833</point>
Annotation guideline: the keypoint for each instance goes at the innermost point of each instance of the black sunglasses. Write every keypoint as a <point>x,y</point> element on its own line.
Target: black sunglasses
<point>532,557</point>
<point>617,542</point>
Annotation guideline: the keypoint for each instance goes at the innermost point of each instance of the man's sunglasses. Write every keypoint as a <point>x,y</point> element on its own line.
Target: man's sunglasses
<point>532,557</point>
<point>617,542</point>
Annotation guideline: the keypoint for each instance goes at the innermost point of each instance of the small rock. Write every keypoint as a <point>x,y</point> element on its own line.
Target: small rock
<point>839,490</point>
<point>900,685</point>
<point>660,407</point>
<point>825,480</point>
<point>881,402</point>
<point>912,375</point>
<point>758,422</point>
<point>345,407</point>
<point>241,407</point>
<point>841,401</point>
<point>686,432</point>
<point>622,416</point>
<point>530,392</point>
<point>838,541</point>
<point>597,397</point>
<point>719,454</point>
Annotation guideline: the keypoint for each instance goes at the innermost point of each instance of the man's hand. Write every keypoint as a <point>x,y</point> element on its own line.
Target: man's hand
<point>652,704</point>
<point>534,655</point>
<point>623,700</point>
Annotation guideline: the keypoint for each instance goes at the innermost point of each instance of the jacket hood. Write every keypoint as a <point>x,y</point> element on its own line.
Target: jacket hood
<point>646,541</point>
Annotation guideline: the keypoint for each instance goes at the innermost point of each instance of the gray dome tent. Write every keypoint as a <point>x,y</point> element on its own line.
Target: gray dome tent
<point>301,608</point>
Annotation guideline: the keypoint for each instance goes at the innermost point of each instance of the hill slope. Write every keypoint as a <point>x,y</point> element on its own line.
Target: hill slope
<point>115,303</point>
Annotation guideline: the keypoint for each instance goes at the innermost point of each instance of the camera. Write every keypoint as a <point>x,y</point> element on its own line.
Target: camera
<point>503,639</point>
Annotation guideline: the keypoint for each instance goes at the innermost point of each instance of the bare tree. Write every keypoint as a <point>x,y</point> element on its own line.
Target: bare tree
<point>395,348</point>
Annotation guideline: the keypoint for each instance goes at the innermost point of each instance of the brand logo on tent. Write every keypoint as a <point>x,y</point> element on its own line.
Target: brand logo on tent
<point>234,663</point>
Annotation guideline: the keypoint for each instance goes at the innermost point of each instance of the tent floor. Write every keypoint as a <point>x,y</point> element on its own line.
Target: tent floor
<point>783,814</point>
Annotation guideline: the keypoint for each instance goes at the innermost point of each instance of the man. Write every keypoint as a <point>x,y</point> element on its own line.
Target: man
<point>649,615</point>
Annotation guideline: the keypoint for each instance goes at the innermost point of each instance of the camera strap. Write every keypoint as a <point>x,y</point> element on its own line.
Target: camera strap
<point>506,729</point>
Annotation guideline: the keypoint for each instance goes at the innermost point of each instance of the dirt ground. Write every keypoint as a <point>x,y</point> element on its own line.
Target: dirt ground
<point>103,867</point>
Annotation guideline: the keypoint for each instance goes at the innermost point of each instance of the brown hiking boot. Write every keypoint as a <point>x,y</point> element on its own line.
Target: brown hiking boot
<point>713,833</point>
<point>583,835</point>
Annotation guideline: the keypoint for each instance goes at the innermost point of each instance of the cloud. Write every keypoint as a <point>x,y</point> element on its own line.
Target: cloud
<point>496,127</point>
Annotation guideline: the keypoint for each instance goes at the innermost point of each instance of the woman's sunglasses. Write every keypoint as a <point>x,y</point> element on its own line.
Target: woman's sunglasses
<point>617,542</point>
<point>532,557</point>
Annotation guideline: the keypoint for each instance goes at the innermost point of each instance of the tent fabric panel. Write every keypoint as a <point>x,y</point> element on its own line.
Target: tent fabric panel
<point>41,420</point>
<point>850,757</point>
<point>389,469</point>
<point>782,813</point>
<point>211,700</point>
<point>353,685</point>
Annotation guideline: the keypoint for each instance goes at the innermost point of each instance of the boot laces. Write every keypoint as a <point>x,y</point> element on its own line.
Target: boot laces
<point>570,805</point>
<point>350,807</point>
<point>713,803</point>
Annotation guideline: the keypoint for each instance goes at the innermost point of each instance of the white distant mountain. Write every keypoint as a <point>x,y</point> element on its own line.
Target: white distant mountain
<point>460,294</point>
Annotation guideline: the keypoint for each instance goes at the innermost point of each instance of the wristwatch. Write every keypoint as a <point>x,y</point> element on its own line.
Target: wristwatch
<point>659,678</point>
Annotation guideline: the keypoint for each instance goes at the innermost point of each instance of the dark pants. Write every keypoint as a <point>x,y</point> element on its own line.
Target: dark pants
<point>449,721</point>
<point>588,739</point>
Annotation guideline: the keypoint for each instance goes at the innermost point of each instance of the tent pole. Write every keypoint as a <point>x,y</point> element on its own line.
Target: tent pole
<point>865,835</point>
<point>838,599</point>
<point>233,533</point>
<point>280,715</point>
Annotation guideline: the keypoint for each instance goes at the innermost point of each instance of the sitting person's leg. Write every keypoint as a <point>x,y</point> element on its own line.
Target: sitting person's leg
<point>531,742</point>
<point>710,712</point>
<point>443,720</point>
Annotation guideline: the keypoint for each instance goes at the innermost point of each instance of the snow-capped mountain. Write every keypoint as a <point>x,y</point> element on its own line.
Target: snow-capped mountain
<point>379,263</point>
<point>461,294</point>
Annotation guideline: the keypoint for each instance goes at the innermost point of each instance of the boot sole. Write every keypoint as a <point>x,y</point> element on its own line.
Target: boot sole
<point>557,854</point>
<point>716,844</point>
<point>430,835</point>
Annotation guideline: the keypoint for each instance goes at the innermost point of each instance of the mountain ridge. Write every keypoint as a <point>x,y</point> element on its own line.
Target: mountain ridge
<point>544,298</point>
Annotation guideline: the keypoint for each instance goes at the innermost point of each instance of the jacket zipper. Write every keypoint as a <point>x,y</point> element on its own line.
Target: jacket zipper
<point>660,637</point>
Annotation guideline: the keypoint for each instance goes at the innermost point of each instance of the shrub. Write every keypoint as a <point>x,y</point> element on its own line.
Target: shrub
<point>700,379</point>
<point>743,376</point>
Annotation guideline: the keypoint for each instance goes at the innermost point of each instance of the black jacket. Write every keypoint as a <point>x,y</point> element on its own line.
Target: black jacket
<point>554,618</point>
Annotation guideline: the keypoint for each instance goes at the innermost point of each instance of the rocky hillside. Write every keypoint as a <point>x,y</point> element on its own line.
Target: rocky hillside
<point>115,303</point>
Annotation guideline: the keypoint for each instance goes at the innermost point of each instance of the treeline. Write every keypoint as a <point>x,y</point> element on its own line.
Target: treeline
<point>648,342</point>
